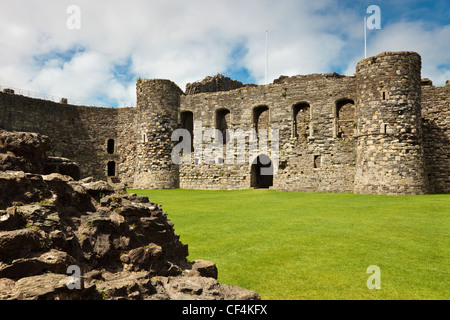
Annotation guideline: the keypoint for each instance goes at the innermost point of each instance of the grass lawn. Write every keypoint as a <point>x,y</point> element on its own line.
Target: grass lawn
<point>291,246</point>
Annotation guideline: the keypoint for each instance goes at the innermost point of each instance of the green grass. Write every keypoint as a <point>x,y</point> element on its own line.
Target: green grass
<point>287,245</point>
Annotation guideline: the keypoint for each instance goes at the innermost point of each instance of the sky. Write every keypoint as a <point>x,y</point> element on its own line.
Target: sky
<point>93,51</point>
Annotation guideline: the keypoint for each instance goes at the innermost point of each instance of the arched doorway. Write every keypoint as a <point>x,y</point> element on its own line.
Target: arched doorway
<point>345,118</point>
<point>262,172</point>
<point>301,113</point>
<point>261,118</point>
<point>223,117</point>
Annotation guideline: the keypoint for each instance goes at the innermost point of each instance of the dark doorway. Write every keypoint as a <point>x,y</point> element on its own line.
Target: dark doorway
<point>111,169</point>
<point>262,173</point>
<point>187,122</point>
<point>110,147</point>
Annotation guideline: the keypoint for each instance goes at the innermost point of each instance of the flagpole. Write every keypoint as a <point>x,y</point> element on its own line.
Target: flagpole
<point>267,56</point>
<point>365,37</point>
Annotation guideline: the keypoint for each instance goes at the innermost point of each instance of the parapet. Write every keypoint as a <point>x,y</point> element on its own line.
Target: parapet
<point>154,85</point>
<point>213,84</point>
<point>399,54</point>
<point>8,91</point>
<point>426,82</point>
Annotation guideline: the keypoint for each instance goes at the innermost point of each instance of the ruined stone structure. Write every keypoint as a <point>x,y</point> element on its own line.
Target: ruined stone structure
<point>383,130</point>
<point>117,246</point>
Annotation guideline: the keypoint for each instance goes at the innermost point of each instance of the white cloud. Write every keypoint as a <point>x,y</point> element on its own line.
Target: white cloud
<point>186,41</point>
<point>431,42</point>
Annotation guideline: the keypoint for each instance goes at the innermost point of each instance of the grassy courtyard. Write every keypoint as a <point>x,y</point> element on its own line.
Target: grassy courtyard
<point>293,246</point>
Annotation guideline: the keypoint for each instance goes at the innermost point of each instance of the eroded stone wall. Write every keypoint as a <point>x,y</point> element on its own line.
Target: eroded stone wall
<point>315,160</point>
<point>77,132</point>
<point>158,103</point>
<point>380,131</point>
<point>436,133</point>
<point>390,156</point>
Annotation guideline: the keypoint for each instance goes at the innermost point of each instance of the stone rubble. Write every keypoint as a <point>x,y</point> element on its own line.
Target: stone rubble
<point>124,245</point>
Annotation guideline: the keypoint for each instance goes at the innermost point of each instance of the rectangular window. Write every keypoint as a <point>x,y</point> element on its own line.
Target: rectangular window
<point>110,147</point>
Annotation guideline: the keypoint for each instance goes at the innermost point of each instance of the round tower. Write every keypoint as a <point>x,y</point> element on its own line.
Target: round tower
<point>158,104</point>
<point>390,157</point>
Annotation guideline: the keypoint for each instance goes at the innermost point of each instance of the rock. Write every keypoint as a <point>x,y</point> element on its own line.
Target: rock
<point>53,261</point>
<point>57,178</point>
<point>191,286</point>
<point>28,145</point>
<point>201,288</point>
<point>137,285</point>
<point>98,187</point>
<point>17,243</point>
<point>237,293</point>
<point>102,246</point>
<point>10,219</point>
<point>12,175</point>
<point>41,287</point>
<point>31,147</point>
<point>105,201</point>
<point>123,285</point>
<point>63,241</point>
<point>143,257</point>
<point>8,290</point>
<point>19,187</point>
<point>205,268</point>
<point>124,243</point>
<point>10,162</point>
<point>141,199</point>
<point>88,180</point>
<point>166,268</point>
<point>42,217</point>
<point>51,286</point>
<point>63,166</point>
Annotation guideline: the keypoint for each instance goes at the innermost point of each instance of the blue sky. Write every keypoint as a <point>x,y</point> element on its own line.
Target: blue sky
<point>119,41</point>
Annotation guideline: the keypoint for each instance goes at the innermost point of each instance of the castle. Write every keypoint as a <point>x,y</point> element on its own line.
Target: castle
<point>384,130</point>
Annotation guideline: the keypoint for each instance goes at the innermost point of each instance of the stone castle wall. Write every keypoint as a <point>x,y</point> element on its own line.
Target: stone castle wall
<point>77,132</point>
<point>312,157</point>
<point>390,142</point>
<point>382,130</point>
<point>436,131</point>
<point>158,103</point>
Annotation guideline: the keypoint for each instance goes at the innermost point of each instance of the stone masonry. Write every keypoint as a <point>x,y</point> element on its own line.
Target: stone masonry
<point>383,130</point>
<point>390,156</point>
